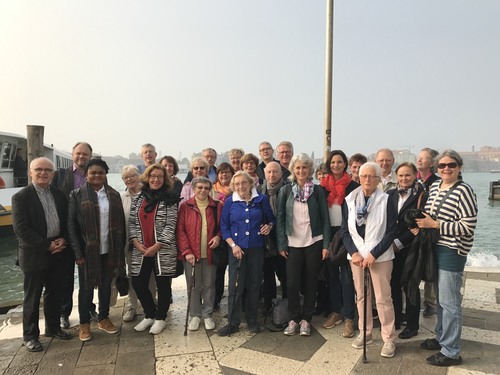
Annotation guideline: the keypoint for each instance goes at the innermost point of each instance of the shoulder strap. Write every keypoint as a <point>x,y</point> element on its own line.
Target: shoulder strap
<point>450,190</point>
<point>216,208</point>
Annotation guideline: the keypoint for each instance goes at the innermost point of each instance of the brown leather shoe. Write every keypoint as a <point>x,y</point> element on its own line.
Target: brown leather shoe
<point>332,320</point>
<point>85,332</point>
<point>348,331</point>
<point>106,326</point>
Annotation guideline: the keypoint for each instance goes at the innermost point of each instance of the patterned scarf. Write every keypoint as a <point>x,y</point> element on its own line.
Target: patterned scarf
<point>336,188</point>
<point>304,194</point>
<point>363,206</point>
<point>91,216</point>
<point>222,191</point>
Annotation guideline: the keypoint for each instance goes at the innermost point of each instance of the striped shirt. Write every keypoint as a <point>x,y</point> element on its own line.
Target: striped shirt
<point>457,216</point>
<point>50,210</point>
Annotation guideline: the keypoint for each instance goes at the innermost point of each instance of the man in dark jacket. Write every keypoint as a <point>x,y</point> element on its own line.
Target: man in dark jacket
<point>68,179</point>
<point>39,221</point>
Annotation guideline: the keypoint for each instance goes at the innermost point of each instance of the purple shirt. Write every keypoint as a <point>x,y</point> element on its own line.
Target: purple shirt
<point>78,177</point>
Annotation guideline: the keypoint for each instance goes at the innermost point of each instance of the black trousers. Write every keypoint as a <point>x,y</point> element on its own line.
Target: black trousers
<point>303,264</point>
<point>141,287</point>
<point>412,311</point>
<point>274,266</point>
<point>34,283</point>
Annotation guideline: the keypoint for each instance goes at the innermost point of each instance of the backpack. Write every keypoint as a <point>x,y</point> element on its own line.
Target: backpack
<point>279,315</point>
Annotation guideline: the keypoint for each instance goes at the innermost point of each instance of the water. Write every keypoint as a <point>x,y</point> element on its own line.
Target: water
<point>485,253</point>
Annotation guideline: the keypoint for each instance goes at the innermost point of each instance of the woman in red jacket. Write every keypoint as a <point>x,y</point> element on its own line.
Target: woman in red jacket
<point>197,234</point>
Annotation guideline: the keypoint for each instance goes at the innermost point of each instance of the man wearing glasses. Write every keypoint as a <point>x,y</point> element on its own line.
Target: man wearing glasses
<point>266,153</point>
<point>285,153</point>
<point>39,221</point>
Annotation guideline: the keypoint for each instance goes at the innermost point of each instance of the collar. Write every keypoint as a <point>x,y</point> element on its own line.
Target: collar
<point>237,198</point>
<point>41,189</point>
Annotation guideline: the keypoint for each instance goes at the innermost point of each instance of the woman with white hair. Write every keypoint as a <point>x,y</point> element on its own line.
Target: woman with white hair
<point>199,168</point>
<point>303,232</point>
<point>369,227</point>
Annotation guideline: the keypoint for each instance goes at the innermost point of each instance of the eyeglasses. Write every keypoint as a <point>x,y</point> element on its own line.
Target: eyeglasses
<point>207,188</point>
<point>156,177</point>
<point>449,165</point>
<point>368,176</point>
<point>46,170</point>
<point>265,149</point>
<point>129,177</point>
<point>284,152</point>
<point>198,168</point>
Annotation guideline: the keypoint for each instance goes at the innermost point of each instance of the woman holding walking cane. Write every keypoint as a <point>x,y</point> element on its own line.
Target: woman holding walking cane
<point>368,230</point>
<point>246,218</point>
<point>197,235</point>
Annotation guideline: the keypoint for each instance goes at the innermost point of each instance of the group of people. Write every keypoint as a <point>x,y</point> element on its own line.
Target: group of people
<point>263,221</point>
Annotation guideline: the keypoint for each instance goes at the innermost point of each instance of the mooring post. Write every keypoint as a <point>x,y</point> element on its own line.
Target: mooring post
<point>35,143</point>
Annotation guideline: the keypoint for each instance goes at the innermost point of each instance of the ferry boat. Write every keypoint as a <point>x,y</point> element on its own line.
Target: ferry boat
<point>13,169</point>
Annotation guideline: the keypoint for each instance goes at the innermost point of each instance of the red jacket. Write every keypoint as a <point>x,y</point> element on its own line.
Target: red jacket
<point>189,228</point>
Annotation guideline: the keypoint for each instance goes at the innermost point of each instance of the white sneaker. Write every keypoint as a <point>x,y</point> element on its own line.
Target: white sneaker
<point>388,350</point>
<point>358,341</point>
<point>129,315</point>
<point>194,323</point>
<point>158,326</point>
<point>209,323</point>
<point>144,324</point>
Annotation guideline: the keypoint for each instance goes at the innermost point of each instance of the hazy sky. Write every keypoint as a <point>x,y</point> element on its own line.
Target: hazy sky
<point>185,75</point>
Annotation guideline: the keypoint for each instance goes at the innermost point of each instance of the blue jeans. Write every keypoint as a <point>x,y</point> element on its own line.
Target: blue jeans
<point>341,289</point>
<point>85,295</point>
<point>449,312</point>
<point>250,277</point>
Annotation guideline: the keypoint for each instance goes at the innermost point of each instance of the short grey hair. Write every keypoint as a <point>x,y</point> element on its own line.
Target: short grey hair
<point>303,158</point>
<point>372,165</point>
<point>44,159</point>
<point>451,154</point>
<point>130,168</point>
<point>200,180</point>
<point>198,160</point>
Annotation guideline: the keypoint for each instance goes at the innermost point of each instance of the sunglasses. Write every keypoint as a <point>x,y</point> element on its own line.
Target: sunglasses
<point>198,168</point>
<point>449,165</point>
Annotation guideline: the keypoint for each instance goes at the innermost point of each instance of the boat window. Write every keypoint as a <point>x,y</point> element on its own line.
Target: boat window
<point>8,155</point>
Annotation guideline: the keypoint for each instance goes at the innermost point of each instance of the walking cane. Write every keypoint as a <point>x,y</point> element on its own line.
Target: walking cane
<point>365,292</point>
<point>235,290</point>
<point>190,289</point>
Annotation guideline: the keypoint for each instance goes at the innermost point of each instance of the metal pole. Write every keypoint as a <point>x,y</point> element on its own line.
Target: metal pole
<point>328,78</point>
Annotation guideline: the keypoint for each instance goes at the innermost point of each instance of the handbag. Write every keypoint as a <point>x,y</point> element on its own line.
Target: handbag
<point>179,268</point>
<point>337,251</point>
<point>122,285</point>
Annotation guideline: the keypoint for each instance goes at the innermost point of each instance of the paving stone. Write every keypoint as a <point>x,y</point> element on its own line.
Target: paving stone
<point>136,342</point>
<point>5,361</point>
<point>481,319</point>
<point>96,370</point>
<point>195,363</point>
<point>59,362</point>
<point>134,363</point>
<point>92,355</point>
<point>22,370</point>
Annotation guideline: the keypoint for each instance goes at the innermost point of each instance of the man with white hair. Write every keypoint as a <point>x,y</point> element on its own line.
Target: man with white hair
<point>39,214</point>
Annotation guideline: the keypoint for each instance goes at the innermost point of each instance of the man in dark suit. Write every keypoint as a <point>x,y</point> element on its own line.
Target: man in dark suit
<point>39,214</point>
<point>68,179</point>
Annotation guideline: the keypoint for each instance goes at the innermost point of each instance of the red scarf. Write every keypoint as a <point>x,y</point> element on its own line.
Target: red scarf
<point>336,188</point>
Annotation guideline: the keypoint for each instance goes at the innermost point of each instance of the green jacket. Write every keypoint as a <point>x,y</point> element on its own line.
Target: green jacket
<point>318,214</point>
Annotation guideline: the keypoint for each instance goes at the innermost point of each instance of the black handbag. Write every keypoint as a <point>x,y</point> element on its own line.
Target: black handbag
<point>122,285</point>
<point>179,268</point>
<point>337,251</point>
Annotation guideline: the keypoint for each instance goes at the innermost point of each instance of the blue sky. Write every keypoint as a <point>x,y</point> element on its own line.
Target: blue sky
<point>185,75</point>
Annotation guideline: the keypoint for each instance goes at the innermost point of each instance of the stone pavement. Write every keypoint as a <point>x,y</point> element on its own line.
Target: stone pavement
<point>204,352</point>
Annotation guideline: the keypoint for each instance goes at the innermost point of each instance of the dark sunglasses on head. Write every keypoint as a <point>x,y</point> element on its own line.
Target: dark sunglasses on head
<point>449,165</point>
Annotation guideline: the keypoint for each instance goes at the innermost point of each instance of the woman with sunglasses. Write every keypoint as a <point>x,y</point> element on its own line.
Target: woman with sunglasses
<point>152,222</point>
<point>197,234</point>
<point>452,209</point>
<point>199,168</point>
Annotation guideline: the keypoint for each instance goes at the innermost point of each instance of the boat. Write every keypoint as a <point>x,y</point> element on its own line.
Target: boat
<point>13,169</point>
<point>495,171</point>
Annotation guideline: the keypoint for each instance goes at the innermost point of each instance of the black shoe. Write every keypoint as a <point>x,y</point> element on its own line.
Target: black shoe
<point>440,359</point>
<point>228,329</point>
<point>93,316</point>
<point>429,311</point>
<point>33,345</point>
<point>64,322</point>
<point>407,333</point>
<point>254,327</point>
<point>61,335</point>
<point>430,344</point>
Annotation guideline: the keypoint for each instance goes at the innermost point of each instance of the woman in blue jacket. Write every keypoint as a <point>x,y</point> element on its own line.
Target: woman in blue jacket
<point>246,218</point>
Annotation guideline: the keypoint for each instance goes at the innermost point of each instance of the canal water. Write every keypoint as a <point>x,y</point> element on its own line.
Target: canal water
<point>485,253</point>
